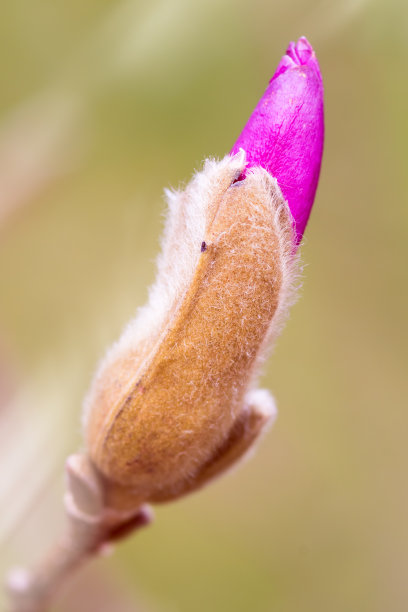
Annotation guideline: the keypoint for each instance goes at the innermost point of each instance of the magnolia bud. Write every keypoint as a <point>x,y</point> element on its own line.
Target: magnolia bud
<point>173,403</point>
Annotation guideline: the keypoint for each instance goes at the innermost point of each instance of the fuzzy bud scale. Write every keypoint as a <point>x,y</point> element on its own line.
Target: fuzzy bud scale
<point>172,400</point>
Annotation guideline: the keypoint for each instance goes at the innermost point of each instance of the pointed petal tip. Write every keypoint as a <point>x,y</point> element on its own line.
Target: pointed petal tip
<point>301,52</point>
<point>298,54</point>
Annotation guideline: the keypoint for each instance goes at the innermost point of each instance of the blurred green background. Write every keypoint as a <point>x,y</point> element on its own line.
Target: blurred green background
<point>102,105</point>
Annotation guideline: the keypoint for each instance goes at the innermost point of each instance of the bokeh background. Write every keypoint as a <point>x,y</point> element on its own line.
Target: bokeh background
<point>102,105</point>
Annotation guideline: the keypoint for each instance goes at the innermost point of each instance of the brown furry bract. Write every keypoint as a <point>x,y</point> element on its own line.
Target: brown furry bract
<point>173,403</point>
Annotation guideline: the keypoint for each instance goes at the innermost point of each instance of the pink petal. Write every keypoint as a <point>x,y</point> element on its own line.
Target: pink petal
<point>285,132</point>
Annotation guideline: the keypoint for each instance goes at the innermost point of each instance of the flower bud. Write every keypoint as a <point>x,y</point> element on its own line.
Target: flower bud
<point>174,402</point>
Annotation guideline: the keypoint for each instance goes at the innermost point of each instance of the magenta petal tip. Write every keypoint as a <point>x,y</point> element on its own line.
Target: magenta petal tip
<point>285,132</point>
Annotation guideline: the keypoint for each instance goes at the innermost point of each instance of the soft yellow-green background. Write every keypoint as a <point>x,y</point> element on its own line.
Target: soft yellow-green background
<point>102,105</point>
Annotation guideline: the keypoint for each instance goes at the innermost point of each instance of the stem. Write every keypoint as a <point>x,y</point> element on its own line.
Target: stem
<point>90,527</point>
<point>33,591</point>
